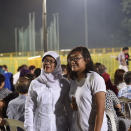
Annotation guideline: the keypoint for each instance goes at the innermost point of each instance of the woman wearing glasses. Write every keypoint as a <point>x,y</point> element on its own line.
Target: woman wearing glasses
<point>87,92</point>
<point>47,103</point>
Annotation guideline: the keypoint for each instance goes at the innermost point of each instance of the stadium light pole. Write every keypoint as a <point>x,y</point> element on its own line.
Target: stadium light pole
<point>44,23</point>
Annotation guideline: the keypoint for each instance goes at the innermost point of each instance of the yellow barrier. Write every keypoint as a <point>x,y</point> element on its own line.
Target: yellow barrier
<point>105,56</point>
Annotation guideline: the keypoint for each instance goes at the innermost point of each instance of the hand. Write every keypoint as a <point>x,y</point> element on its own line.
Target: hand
<point>74,104</point>
<point>129,129</point>
<point>2,122</point>
<point>1,104</point>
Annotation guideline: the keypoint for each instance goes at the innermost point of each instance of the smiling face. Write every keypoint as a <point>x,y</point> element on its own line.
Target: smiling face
<point>77,62</point>
<point>49,64</point>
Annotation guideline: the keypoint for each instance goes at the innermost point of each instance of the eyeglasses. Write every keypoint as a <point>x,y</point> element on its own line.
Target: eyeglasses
<point>50,61</point>
<point>75,59</point>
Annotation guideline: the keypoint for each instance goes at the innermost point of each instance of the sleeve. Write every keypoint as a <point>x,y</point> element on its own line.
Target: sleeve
<point>97,83</point>
<point>10,111</point>
<point>30,106</point>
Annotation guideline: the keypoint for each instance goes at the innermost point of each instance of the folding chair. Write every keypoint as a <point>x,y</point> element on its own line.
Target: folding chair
<point>13,124</point>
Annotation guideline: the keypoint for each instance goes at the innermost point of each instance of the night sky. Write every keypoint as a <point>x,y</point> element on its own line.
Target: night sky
<point>104,17</point>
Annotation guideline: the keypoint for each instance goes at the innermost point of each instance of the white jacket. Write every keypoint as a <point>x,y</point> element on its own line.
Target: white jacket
<point>47,104</point>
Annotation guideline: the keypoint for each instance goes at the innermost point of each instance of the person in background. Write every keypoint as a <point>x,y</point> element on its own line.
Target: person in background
<point>126,91</point>
<point>3,91</point>
<point>122,59</point>
<point>32,69</point>
<point>37,72</point>
<point>87,92</point>
<point>113,104</point>
<point>64,70</point>
<point>1,70</point>
<point>16,107</point>
<point>119,79</point>
<point>5,101</point>
<point>5,68</point>
<point>17,75</point>
<point>47,104</point>
<point>24,71</point>
<point>8,78</point>
<point>101,70</point>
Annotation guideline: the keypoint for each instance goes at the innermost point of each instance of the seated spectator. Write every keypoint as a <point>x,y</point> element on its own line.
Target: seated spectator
<point>64,70</point>
<point>37,72</point>
<point>24,72</point>
<point>32,69</point>
<point>16,107</point>
<point>3,91</point>
<point>126,91</point>
<point>118,79</point>
<point>4,102</point>
<point>16,76</point>
<point>113,104</point>
<point>101,69</point>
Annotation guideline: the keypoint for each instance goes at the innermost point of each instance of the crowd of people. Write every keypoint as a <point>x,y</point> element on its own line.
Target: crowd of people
<point>72,97</point>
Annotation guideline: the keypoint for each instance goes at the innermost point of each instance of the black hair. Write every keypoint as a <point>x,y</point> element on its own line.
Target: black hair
<point>22,85</point>
<point>29,76</point>
<point>31,67</point>
<point>63,67</point>
<point>86,55</point>
<point>5,66</point>
<point>37,72</point>
<point>125,48</point>
<point>2,79</point>
<point>22,66</point>
<point>97,67</point>
<point>127,78</point>
<point>119,76</point>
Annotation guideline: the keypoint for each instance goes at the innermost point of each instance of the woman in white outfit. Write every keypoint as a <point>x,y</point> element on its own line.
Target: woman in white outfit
<point>87,92</point>
<point>47,103</point>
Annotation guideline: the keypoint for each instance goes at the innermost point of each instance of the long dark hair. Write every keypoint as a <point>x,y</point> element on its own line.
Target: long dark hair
<point>86,55</point>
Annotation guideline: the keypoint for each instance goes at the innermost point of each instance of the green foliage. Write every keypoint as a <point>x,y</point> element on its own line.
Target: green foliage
<point>126,5</point>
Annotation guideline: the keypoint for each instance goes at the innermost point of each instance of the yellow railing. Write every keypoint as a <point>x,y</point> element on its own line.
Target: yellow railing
<point>105,56</point>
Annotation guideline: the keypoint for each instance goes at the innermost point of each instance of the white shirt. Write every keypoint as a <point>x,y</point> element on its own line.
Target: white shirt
<point>84,92</point>
<point>16,77</point>
<point>121,85</point>
<point>121,59</point>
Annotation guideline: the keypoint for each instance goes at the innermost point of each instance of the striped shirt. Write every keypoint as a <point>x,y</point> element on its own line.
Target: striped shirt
<point>125,92</point>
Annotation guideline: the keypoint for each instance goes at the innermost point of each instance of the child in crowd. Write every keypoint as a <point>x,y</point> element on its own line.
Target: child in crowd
<point>16,107</point>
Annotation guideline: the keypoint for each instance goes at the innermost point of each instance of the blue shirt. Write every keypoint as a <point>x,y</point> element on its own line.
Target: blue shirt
<point>125,92</point>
